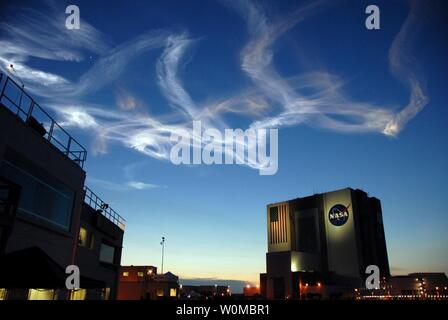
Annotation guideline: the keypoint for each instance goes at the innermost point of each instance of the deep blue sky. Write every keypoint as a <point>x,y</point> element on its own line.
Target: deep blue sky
<point>213,217</point>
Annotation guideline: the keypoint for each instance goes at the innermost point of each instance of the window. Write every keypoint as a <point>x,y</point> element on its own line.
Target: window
<point>140,274</point>
<point>107,253</point>
<point>78,294</point>
<point>125,274</point>
<point>82,237</point>
<point>106,293</point>
<point>41,294</point>
<point>92,241</point>
<point>173,292</point>
<point>273,214</point>
<point>3,294</point>
<point>42,196</point>
<point>84,240</point>
<point>149,272</point>
<point>159,292</point>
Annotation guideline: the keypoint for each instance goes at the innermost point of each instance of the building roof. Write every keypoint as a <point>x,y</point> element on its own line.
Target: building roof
<point>170,275</point>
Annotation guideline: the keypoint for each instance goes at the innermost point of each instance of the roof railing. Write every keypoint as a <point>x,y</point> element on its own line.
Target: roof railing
<point>16,99</point>
<point>99,205</point>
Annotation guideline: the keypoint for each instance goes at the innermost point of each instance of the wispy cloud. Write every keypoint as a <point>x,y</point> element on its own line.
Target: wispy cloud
<point>30,75</point>
<point>120,187</point>
<point>43,35</point>
<point>33,33</point>
<point>77,117</point>
<point>404,66</point>
<point>105,69</point>
<point>167,68</point>
<point>317,99</point>
<point>143,185</point>
<point>320,109</point>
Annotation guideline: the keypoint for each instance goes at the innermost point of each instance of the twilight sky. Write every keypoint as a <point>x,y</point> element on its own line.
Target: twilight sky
<point>354,107</point>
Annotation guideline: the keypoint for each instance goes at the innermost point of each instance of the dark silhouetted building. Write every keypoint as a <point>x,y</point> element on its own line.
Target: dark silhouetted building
<point>204,292</point>
<point>319,246</point>
<point>251,290</point>
<point>47,215</point>
<point>414,286</point>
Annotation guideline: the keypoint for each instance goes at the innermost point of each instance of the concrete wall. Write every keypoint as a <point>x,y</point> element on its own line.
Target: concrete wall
<point>341,240</point>
<point>87,258</point>
<point>17,138</point>
<point>302,261</point>
<point>278,268</point>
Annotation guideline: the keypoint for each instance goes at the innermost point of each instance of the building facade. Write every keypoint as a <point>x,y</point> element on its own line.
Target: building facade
<point>320,246</point>
<point>204,292</point>
<point>143,283</point>
<point>413,286</point>
<point>46,210</point>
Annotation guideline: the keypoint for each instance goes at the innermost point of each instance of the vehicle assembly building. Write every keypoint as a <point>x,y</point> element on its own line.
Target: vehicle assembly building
<point>321,245</point>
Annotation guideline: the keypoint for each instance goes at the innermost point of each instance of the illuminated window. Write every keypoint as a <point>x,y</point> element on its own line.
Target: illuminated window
<point>92,241</point>
<point>149,272</point>
<point>79,294</point>
<point>3,293</point>
<point>173,292</point>
<point>41,294</point>
<point>82,237</point>
<point>106,293</point>
<point>160,292</point>
<point>125,274</point>
<point>140,274</point>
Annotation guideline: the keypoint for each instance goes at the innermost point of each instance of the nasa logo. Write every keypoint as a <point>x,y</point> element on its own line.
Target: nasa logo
<point>338,215</point>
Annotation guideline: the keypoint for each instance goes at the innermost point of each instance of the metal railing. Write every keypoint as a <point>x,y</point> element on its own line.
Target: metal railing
<point>96,203</point>
<point>16,99</point>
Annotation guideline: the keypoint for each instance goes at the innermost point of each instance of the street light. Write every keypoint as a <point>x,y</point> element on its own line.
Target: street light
<point>13,72</point>
<point>162,243</point>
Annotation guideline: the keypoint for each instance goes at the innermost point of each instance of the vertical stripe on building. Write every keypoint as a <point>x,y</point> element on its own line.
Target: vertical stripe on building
<point>278,224</point>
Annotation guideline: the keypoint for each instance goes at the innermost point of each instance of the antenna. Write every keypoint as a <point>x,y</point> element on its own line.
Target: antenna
<point>162,243</point>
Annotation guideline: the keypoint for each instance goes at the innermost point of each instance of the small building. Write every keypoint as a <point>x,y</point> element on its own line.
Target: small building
<point>143,283</point>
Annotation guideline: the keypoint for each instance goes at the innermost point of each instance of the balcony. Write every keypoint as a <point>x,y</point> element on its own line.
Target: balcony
<point>15,98</point>
<point>100,206</point>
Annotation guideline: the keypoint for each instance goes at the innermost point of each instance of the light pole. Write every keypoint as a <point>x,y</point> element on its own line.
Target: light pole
<point>13,72</point>
<point>162,243</point>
